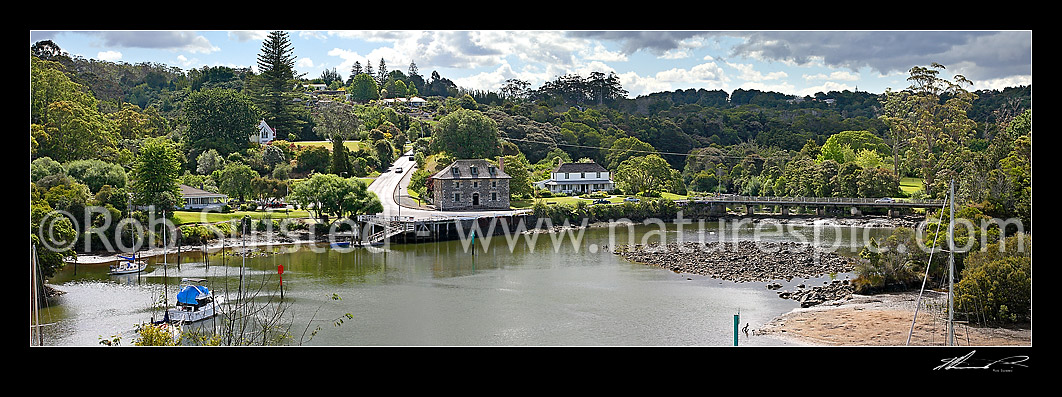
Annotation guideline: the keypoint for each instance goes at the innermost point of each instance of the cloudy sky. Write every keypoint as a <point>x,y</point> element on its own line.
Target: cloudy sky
<point>793,62</point>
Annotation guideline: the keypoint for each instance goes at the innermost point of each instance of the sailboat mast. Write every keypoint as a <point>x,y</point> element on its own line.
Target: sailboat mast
<point>951,267</point>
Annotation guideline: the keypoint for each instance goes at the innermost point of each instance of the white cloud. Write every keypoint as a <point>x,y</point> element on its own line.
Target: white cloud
<point>706,75</point>
<point>824,87</point>
<point>304,63</point>
<point>248,35</point>
<point>836,75</point>
<point>490,80</point>
<point>637,85</point>
<point>599,53</point>
<point>747,72</point>
<point>348,58</point>
<point>185,62</point>
<point>1001,83</point>
<point>676,53</point>
<point>110,56</point>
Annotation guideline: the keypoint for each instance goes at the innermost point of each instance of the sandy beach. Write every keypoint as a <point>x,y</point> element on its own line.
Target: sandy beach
<point>885,320</point>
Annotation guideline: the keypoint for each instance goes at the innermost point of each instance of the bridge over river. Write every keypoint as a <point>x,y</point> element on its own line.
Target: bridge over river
<point>855,206</point>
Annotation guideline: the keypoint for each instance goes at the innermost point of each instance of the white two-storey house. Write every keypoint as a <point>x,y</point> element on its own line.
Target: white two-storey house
<point>578,178</point>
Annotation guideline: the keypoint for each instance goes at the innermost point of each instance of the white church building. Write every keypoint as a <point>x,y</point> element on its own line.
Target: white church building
<point>266,133</point>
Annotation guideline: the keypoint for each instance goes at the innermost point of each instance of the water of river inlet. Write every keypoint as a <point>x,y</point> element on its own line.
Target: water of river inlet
<point>558,290</point>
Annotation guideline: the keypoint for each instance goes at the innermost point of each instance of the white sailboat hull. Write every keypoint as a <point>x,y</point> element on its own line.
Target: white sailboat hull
<point>127,268</point>
<point>188,314</point>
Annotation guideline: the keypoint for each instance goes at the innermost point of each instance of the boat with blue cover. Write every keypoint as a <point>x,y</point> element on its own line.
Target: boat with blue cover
<point>195,302</point>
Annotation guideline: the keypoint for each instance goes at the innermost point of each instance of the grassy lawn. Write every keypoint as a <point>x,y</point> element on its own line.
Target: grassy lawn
<point>910,185</point>
<point>573,200</point>
<point>351,145</point>
<point>187,217</point>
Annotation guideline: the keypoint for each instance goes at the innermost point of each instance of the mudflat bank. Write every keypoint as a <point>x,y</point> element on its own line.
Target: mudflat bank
<point>886,320</point>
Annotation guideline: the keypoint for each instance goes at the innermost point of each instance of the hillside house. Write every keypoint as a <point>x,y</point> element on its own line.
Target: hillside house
<point>578,178</point>
<point>198,199</point>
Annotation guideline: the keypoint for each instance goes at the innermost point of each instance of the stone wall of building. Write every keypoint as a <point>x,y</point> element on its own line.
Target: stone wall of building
<point>444,194</point>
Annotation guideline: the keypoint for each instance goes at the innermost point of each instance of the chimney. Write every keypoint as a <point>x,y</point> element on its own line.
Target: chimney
<point>501,163</point>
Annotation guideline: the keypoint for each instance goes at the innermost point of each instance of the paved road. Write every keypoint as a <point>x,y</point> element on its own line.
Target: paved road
<point>390,182</point>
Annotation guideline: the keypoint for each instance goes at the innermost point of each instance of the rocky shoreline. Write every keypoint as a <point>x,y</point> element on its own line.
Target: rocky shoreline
<point>748,261</point>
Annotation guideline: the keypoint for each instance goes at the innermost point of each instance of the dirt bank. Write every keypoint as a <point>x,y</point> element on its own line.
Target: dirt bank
<point>885,320</point>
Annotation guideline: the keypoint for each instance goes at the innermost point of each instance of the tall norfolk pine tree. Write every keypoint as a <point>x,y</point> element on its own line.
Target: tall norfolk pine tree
<point>274,86</point>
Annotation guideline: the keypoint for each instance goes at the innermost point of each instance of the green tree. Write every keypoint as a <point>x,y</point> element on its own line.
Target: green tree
<point>878,182</point>
<point>856,141</point>
<point>155,175</point>
<point>220,119</point>
<point>846,182</point>
<point>273,89</point>
<point>933,114</point>
<point>467,134</point>
<point>43,167</point>
<point>363,88</point>
<point>134,123</point>
<point>236,180</point>
<point>519,171</point>
<point>312,159</point>
<point>336,120</point>
<point>625,148</point>
<point>273,156</point>
<point>329,194</point>
<point>385,153</point>
<point>208,162</point>
<point>704,181</point>
<point>52,236</point>
<point>801,178</point>
<point>74,132</point>
<point>643,174</point>
<point>887,264</point>
<point>340,162</point>
<point>96,173</point>
<point>49,84</point>
<point>996,282</point>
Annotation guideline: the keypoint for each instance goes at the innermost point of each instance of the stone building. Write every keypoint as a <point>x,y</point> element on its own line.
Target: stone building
<point>471,184</point>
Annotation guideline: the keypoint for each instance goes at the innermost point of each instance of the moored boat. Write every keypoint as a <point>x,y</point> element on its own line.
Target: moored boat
<point>128,265</point>
<point>195,302</point>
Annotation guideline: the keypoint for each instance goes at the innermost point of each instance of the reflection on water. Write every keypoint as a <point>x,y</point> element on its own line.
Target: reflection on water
<point>541,289</point>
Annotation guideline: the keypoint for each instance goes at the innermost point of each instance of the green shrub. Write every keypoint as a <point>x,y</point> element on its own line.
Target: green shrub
<point>996,284</point>
<point>998,291</point>
<point>887,264</point>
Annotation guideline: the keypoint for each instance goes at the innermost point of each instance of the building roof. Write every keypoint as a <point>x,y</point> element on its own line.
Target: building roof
<point>579,167</point>
<point>471,169</point>
<point>188,191</point>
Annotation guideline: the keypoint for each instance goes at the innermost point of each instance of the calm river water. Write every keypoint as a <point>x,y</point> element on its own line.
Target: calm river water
<point>551,292</point>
